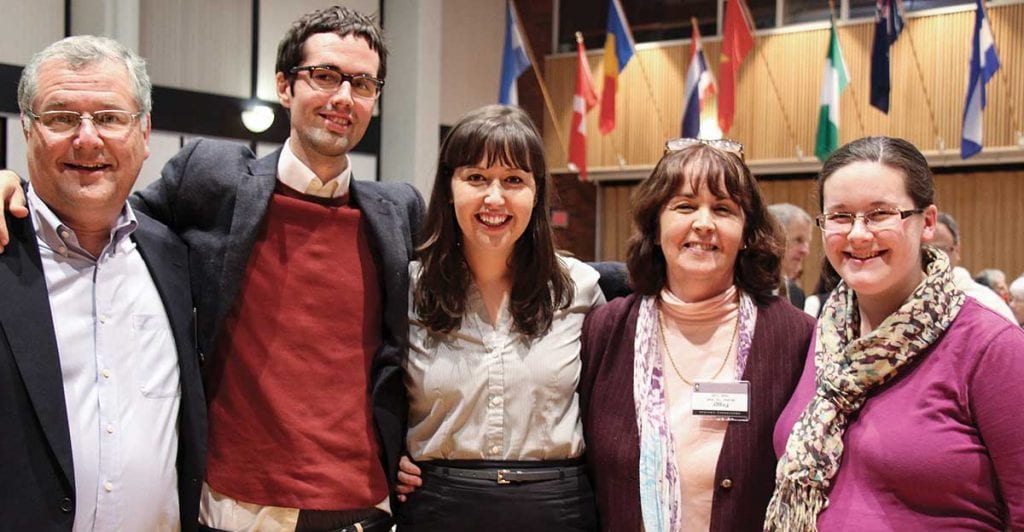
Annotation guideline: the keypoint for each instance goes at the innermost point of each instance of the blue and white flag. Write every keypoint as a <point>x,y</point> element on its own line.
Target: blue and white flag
<point>698,86</point>
<point>514,60</point>
<point>984,64</point>
<point>888,25</point>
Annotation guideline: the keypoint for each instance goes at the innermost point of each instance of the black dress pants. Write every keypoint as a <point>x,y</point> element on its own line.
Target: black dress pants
<point>447,503</point>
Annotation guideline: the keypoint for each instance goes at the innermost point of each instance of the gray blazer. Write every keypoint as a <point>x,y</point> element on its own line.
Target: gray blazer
<point>214,194</point>
<point>35,450</point>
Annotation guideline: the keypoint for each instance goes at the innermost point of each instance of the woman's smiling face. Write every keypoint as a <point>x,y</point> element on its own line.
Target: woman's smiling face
<point>881,264</point>
<point>700,235</point>
<point>493,205</point>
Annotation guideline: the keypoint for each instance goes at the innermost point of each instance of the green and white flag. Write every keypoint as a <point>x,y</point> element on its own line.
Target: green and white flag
<point>834,80</point>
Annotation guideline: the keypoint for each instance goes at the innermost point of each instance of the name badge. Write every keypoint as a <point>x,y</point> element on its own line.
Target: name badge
<point>728,401</point>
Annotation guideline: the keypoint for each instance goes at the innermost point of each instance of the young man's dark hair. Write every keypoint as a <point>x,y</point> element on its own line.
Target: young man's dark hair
<point>335,19</point>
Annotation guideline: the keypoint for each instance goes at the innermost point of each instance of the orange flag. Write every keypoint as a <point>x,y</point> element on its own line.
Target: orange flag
<point>737,40</point>
<point>583,101</point>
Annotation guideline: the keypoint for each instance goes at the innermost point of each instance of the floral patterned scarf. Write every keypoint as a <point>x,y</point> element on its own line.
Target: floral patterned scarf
<point>659,476</point>
<point>848,368</point>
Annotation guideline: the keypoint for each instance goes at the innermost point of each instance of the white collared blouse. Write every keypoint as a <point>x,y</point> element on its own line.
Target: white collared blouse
<point>488,393</point>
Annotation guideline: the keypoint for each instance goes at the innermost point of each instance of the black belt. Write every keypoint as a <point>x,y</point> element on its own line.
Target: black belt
<point>366,519</point>
<point>379,523</point>
<point>506,476</point>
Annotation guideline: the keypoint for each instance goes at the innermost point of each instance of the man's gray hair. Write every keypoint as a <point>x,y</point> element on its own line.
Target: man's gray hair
<point>1017,288</point>
<point>80,51</point>
<point>786,213</point>
<point>947,220</point>
<point>990,277</point>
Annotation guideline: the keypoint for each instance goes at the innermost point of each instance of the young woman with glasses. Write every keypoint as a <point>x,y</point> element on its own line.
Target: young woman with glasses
<point>683,381</point>
<point>908,414</point>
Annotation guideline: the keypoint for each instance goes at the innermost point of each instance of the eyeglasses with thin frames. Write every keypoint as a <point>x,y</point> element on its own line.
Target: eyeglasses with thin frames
<point>109,123</point>
<point>726,145</point>
<point>328,78</point>
<point>874,220</point>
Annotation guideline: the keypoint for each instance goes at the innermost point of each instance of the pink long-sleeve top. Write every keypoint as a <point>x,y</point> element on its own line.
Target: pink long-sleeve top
<point>941,446</point>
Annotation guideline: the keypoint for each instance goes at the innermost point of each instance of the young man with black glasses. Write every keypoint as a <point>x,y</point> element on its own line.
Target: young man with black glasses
<point>300,278</point>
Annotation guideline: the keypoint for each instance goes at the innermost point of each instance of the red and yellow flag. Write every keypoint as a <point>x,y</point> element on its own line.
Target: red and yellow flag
<point>618,50</point>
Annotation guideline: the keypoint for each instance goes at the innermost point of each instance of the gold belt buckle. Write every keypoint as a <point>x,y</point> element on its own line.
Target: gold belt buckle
<point>501,476</point>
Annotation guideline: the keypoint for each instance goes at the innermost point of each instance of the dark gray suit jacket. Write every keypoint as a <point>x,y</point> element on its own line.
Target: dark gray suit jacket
<point>35,450</point>
<point>214,194</point>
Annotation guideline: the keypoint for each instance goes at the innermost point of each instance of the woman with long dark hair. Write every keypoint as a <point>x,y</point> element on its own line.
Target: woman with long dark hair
<point>495,324</point>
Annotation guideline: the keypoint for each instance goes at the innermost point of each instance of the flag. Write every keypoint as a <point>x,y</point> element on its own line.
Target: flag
<point>737,40</point>
<point>984,64</point>
<point>582,102</point>
<point>888,25</point>
<point>514,60</point>
<point>698,86</point>
<point>833,82</point>
<point>618,50</point>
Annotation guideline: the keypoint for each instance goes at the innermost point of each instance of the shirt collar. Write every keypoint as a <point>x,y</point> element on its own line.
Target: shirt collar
<point>294,174</point>
<point>58,236</point>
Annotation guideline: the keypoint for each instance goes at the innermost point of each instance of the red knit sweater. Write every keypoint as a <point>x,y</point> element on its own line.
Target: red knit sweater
<point>290,415</point>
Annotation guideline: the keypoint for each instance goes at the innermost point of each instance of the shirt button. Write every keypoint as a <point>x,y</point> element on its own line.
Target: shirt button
<point>103,318</point>
<point>495,400</point>
<point>106,373</point>
<point>726,484</point>
<point>66,505</point>
<point>110,429</point>
<point>495,449</point>
<point>108,486</point>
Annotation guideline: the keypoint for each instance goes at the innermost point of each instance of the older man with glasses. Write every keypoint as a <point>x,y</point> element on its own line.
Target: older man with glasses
<point>300,276</point>
<point>99,377</point>
<point>947,240</point>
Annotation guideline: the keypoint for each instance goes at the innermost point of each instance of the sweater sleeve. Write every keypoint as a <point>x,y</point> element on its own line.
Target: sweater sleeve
<point>996,397</point>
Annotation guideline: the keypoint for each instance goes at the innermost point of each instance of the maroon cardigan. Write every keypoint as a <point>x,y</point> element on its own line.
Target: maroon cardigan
<point>745,476</point>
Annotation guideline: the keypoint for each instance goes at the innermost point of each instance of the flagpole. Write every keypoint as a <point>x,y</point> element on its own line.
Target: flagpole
<point>782,106</point>
<point>540,81</point>
<point>924,90</point>
<point>853,91</point>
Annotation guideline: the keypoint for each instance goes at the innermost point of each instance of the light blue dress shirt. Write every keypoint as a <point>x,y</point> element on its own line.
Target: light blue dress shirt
<point>120,373</point>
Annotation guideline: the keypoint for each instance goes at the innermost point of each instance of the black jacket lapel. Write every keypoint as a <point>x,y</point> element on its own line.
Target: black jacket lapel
<point>28,325</point>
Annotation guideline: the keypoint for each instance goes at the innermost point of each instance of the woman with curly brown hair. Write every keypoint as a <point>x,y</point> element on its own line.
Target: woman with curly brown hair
<point>683,381</point>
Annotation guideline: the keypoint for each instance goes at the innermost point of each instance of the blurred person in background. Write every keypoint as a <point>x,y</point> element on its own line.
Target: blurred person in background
<point>947,240</point>
<point>1017,299</point>
<point>827,281</point>
<point>796,224</point>
<point>995,280</point>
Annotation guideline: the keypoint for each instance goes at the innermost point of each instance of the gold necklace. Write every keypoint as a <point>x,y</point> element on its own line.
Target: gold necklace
<point>668,352</point>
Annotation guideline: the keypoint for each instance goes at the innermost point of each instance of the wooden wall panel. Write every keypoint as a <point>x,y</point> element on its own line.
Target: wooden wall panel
<point>795,61</point>
<point>987,206</point>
